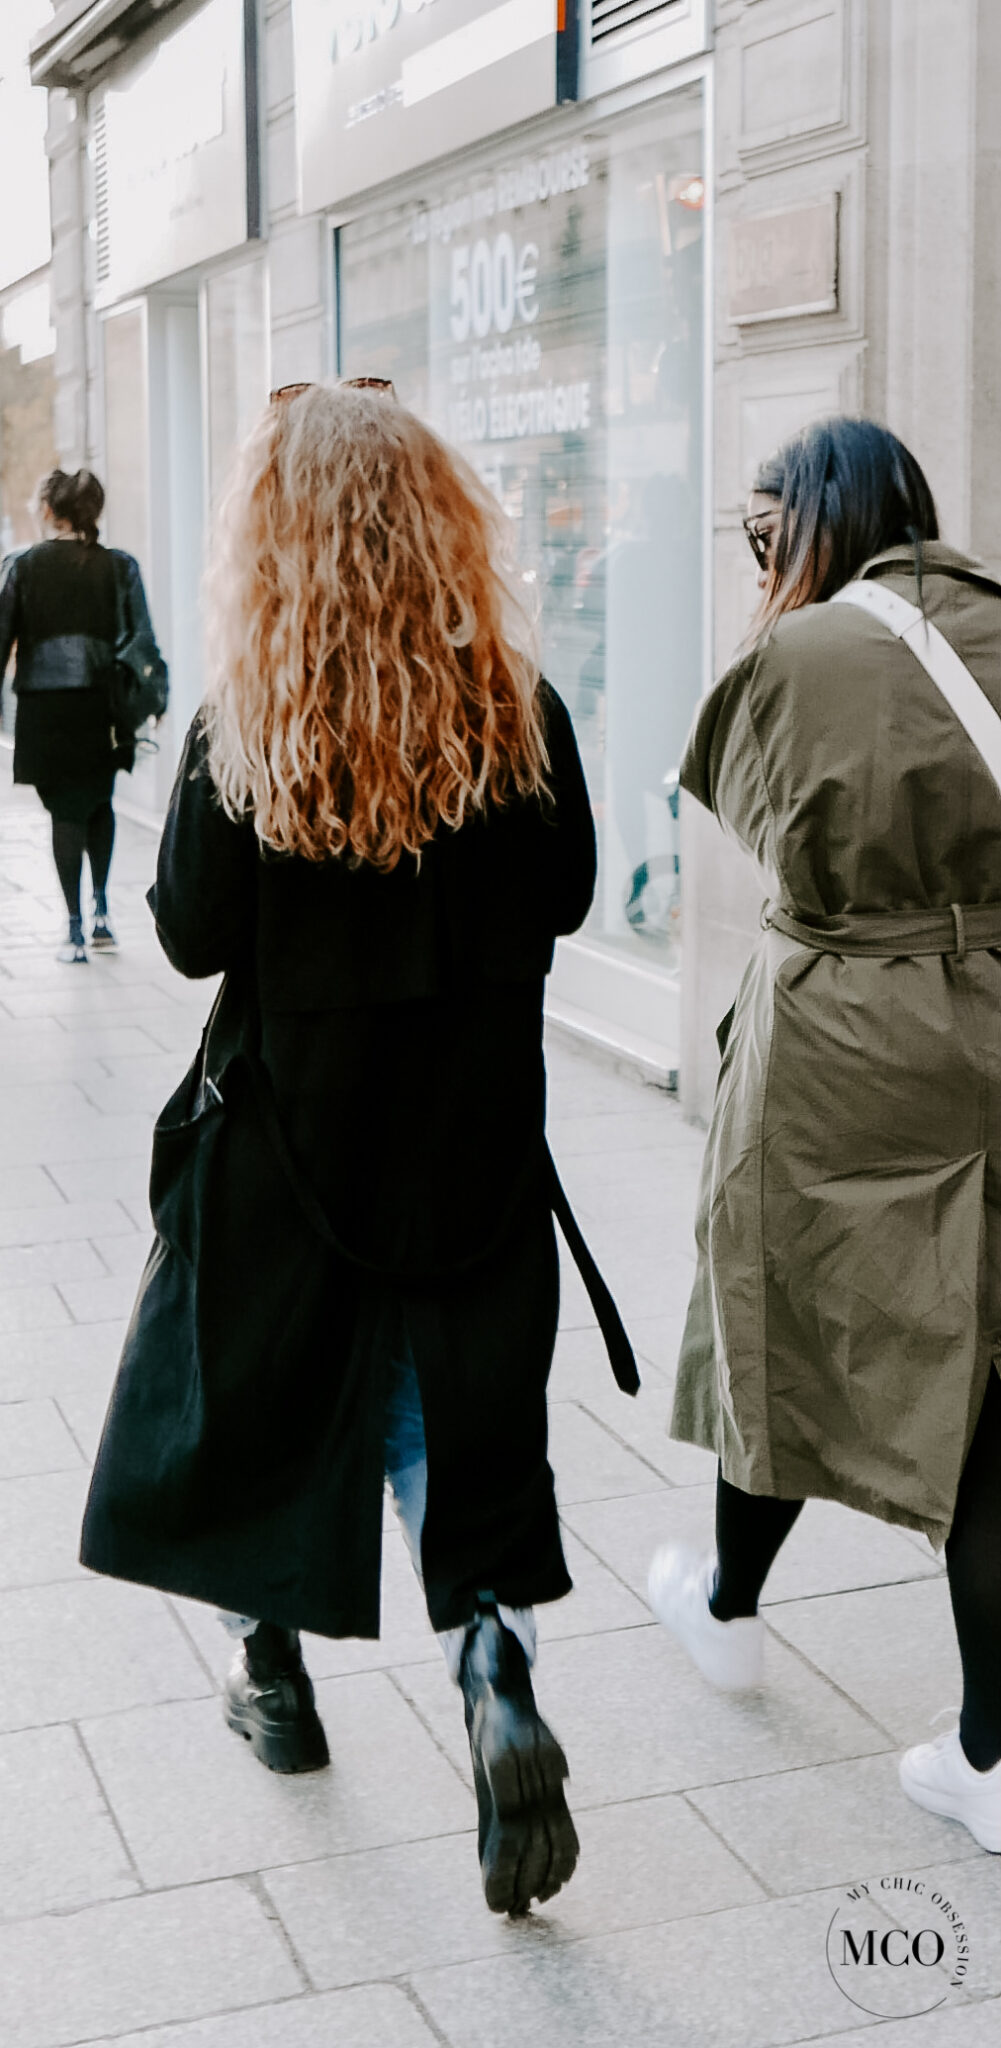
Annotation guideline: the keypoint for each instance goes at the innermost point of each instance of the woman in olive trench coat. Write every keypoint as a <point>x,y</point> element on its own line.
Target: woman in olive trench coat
<point>355,1271</point>
<point>844,1335</point>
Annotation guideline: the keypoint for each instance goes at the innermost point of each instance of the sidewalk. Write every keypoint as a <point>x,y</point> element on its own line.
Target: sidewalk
<point>158,1889</point>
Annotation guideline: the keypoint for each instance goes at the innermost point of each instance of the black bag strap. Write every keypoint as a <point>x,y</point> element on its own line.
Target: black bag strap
<point>122,634</point>
<point>230,1013</point>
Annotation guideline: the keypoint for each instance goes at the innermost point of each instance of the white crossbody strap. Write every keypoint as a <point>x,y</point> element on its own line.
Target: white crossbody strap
<point>960,689</point>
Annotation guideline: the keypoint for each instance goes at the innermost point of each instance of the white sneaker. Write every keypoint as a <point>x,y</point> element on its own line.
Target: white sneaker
<point>938,1777</point>
<point>731,1654</point>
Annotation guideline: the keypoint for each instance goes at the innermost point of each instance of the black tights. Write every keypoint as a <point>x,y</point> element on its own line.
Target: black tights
<point>751,1528</point>
<point>69,842</point>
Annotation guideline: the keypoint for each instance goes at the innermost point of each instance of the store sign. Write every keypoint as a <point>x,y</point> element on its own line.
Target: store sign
<point>171,151</point>
<point>785,263</point>
<point>385,87</point>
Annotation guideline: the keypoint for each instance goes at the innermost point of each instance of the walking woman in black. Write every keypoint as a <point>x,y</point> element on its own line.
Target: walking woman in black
<point>62,602</point>
<point>378,828</point>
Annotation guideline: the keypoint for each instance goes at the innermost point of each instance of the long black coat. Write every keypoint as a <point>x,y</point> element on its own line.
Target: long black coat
<point>400,1021</point>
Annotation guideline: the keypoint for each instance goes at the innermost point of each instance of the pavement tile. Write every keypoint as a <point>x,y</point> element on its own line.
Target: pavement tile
<point>958,2026</point>
<point>373,2016</point>
<point>43,1361</point>
<point>636,1718</point>
<point>59,1848</point>
<point>193,1802</point>
<point>34,1438</point>
<point>26,1187</point>
<point>57,1261</point>
<point>63,1221</point>
<point>30,1308</point>
<point>137,1962</point>
<point>640,1422</point>
<point>126,1254</point>
<point>118,1180</point>
<point>752,1977</point>
<point>647,1125</point>
<point>830,1549</point>
<point>589,1462</point>
<point>100,1301</point>
<point>892,1649</point>
<point>599,1600</point>
<point>393,1911</point>
<point>83,1396</point>
<point>828,1825</point>
<point>89,1647</point>
<point>40,1527</point>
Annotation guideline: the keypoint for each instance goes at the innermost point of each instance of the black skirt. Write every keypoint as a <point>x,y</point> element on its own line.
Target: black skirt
<point>63,746</point>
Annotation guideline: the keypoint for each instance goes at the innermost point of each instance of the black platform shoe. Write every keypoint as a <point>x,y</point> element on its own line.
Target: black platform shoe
<point>269,1700</point>
<point>527,1841</point>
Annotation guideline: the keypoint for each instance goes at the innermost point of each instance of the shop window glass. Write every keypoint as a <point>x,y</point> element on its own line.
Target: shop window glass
<point>126,430</point>
<point>544,310</point>
<point>237,362</point>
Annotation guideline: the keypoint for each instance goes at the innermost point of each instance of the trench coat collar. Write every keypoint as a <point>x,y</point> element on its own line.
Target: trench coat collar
<point>937,559</point>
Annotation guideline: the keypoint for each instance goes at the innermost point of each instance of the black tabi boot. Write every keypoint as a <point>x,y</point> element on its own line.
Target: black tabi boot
<point>527,1841</point>
<point>269,1700</point>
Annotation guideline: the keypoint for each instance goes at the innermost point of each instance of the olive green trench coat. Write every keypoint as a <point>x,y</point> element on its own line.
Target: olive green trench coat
<point>847,1306</point>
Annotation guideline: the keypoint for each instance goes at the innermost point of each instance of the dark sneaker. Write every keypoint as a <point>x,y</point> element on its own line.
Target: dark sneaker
<point>528,1844</point>
<point>73,952</point>
<point>268,1700</point>
<point>102,937</point>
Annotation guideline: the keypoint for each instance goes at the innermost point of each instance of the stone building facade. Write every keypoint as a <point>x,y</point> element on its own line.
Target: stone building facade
<point>780,208</point>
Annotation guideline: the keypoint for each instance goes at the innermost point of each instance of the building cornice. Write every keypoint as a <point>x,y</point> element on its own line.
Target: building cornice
<point>85,36</point>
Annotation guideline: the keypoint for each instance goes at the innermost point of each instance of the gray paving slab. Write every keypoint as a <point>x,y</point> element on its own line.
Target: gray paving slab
<point>59,1847</point>
<point>83,1396</point>
<point>63,1260</point>
<point>589,1462</point>
<point>636,1718</point>
<point>43,1360</point>
<point>99,1301</point>
<point>26,1187</point>
<point>89,1647</point>
<point>134,1963</point>
<point>62,1220</point>
<point>829,1825</point>
<point>892,1649</point>
<point>752,1977</point>
<point>961,2026</point>
<point>374,2016</point>
<point>830,1549</point>
<point>31,1308</point>
<point>40,1527</point>
<point>394,1911</point>
<point>33,1439</point>
<point>84,1180</point>
<point>193,1802</point>
<point>641,1423</point>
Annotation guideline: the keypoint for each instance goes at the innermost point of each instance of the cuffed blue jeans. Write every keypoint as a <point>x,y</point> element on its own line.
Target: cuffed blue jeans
<point>407,1476</point>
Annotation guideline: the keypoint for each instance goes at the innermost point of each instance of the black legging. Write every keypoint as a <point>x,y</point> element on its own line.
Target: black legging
<point>69,842</point>
<point>751,1528</point>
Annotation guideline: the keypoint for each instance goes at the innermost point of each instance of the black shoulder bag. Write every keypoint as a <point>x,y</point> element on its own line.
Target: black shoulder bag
<point>138,683</point>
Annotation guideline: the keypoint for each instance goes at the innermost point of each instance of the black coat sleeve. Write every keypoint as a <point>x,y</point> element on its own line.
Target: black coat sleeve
<point>8,613</point>
<point>204,899</point>
<point>570,855</point>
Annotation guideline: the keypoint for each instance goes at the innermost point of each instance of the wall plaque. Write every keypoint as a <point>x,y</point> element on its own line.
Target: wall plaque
<point>785,263</point>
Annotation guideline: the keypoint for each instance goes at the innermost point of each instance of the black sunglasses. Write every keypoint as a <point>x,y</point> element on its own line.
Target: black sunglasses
<point>385,384</point>
<point>760,540</point>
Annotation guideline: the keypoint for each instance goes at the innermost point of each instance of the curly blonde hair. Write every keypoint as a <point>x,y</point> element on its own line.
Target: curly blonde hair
<point>372,667</point>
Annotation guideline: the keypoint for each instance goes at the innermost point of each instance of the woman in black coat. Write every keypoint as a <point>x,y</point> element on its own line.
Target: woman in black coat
<point>61,603</point>
<point>378,828</point>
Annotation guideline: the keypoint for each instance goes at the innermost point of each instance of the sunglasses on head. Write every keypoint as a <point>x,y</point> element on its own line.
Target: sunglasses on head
<point>760,539</point>
<point>384,384</point>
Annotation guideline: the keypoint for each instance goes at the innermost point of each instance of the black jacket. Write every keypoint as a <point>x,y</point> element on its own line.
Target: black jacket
<point>400,1022</point>
<point>60,604</point>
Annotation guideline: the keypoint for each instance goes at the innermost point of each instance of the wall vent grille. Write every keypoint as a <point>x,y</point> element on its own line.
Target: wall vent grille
<point>608,16</point>
<point>99,138</point>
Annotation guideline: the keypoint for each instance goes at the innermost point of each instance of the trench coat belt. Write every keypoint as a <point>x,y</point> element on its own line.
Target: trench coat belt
<point>896,934</point>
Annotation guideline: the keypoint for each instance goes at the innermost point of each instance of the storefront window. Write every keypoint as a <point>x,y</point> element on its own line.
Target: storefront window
<point>544,311</point>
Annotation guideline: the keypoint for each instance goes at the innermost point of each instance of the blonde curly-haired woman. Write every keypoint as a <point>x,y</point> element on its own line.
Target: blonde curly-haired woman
<point>378,828</point>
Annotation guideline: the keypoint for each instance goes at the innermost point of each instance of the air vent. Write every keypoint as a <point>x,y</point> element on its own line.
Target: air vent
<point>99,151</point>
<point>608,16</point>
